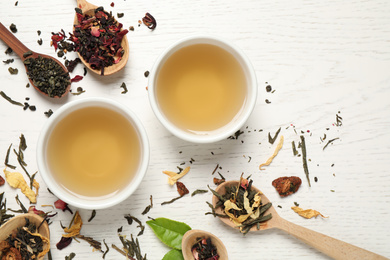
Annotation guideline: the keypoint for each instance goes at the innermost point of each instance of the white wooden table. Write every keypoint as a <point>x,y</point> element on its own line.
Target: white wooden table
<point>322,58</point>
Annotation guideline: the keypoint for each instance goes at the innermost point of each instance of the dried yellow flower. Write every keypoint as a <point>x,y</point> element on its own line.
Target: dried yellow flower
<point>74,230</point>
<point>173,176</point>
<point>16,180</point>
<point>277,149</point>
<point>307,213</point>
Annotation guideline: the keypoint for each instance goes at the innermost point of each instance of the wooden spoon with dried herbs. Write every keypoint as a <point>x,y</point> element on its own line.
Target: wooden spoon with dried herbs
<point>193,243</point>
<point>268,219</point>
<point>49,76</point>
<point>26,229</point>
<point>108,52</point>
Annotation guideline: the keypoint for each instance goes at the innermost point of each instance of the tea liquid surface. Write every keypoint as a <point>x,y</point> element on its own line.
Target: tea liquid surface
<point>93,152</point>
<point>201,88</point>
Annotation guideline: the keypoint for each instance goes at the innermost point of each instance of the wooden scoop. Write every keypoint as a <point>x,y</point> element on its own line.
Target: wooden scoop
<point>89,9</point>
<point>332,247</point>
<point>190,238</point>
<point>19,221</point>
<point>19,48</point>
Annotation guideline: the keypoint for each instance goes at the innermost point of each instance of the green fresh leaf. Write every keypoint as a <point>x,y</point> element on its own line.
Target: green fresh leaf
<point>174,254</point>
<point>170,232</point>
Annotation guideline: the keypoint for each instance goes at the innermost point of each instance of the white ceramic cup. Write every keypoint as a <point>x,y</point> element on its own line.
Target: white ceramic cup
<point>237,122</point>
<point>91,202</point>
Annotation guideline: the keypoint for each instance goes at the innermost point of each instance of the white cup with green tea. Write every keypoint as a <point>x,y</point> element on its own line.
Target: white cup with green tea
<point>202,89</point>
<point>93,153</point>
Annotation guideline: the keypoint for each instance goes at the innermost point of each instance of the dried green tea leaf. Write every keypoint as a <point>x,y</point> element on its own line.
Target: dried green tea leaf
<point>10,100</point>
<point>198,191</point>
<point>93,214</point>
<point>304,160</point>
<point>124,88</point>
<point>329,142</point>
<point>272,140</point>
<point>7,159</point>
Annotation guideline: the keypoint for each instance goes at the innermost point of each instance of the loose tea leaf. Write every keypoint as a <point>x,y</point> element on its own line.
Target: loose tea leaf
<point>130,219</point>
<point>242,205</point>
<point>147,209</point>
<point>171,201</point>
<point>13,28</point>
<point>124,88</point>
<point>7,159</point>
<point>10,100</point>
<point>97,38</point>
<point>271,140</point>
<point>93,214</point>
<point>304,160</point>
<point>198,192</point>
<point>47,75</point>
<point>70,257</point>
<point>170,232</point>
<point>329,142</point>
<point>131,248</point>
<point>295,151</point>
<point>204,249</point>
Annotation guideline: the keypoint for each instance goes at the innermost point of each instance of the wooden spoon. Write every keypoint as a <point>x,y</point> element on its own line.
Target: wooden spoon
<point>190,238</point>
<point>19,221</point>
<point>19,48</point>
<point>332,247</point>
<point>89,9</point>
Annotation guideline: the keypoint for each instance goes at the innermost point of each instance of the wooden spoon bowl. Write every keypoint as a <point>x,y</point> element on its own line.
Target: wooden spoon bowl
<point>332,247</point>
<point>19,221</point>
<point>190,238</point>
<point>89,9</point>
<point>19,48</point>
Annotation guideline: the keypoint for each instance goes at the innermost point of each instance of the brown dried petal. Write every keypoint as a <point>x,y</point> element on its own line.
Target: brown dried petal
<point>287,185</point>
<point>149,21</point>
<point>2,181</point>
<point>4,245</point>
<point>12,254</point>
<point>181,188</point>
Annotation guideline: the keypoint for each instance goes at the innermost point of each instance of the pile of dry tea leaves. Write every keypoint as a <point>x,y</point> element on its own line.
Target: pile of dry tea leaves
<point>24,243</point>
<point>242,205</point>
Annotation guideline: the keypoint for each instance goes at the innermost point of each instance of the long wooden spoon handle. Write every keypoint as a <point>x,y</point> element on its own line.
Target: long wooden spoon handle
<point>332,247</point>
<point>13,42</point>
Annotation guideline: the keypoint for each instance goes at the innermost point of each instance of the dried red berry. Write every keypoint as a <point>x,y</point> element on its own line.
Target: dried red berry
<point>287,185</point>
<point>181,188</point>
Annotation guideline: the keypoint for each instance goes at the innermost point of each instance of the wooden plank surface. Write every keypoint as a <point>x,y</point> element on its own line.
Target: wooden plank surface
<point>321,58</point>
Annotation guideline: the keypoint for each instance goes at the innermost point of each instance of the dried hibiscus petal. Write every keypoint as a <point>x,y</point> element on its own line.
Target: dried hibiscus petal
<point>287,185</point>
<point>77,78</point>
<point>181,188</point>
<point>59,204</point>
<point>149,21</point>
<point>64,242</point>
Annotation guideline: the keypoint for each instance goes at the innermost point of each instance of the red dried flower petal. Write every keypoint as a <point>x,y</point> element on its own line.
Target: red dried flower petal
<point>64,242</point>
<point>59,204</point>
<point>77,78</point>
<point>2,181</point>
